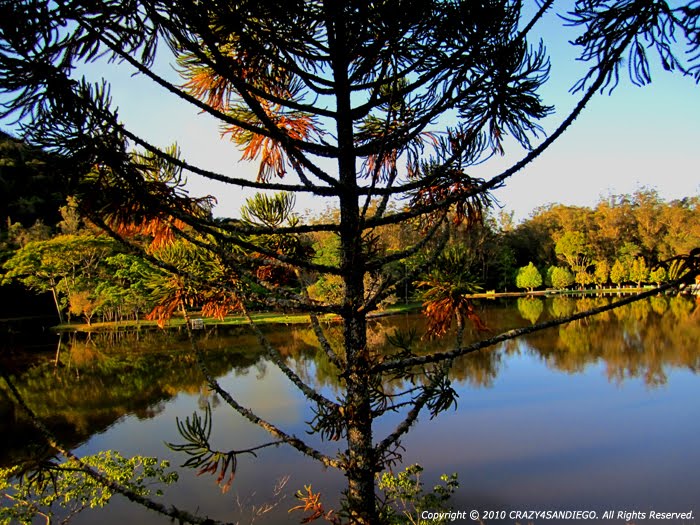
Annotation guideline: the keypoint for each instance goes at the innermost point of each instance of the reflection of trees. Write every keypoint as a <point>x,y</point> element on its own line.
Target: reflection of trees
<point>636,340</point>
<point>658,304</point>
<point>681,308</point>
<point>106,376</point>
<point>562,306</point>
<point>530,308</point>
<point>478,369</point>
<point>641,339</point>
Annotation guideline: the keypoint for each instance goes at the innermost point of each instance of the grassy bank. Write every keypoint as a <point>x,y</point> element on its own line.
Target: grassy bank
<point>297,318</point>
<point>234,320</point>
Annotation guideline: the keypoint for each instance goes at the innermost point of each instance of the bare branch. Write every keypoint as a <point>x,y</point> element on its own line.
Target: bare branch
<point>275,357</point>
<point>274,431</point>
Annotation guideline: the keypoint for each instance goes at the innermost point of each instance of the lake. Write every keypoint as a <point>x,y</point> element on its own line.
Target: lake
<point>601,414</point>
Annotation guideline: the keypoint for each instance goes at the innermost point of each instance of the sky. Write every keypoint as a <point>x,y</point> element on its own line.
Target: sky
<point>633,138</point>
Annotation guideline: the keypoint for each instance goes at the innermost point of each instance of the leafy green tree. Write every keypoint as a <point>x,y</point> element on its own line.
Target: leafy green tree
<point>68,485</point>
<point>528,277</point>
<point>548,276</point>
<point>658,275</point>
<point>407,500</point>
<point>650,228</point>
<point>504,267</point>
<point>628,252</point>
<point>340,100</point>
<point>532,240</point>
<point>614,220</point>
<point>620,226</point>
<point>618,273</point>
<point>59,265</point>
<point>83,302</point>
<point>601,275</point>
<point>639,271</point>
<point>561,278</point>
<point>573,247</point>
<point>125,293</point>
<point>583,278</point>
<point>682,232</point>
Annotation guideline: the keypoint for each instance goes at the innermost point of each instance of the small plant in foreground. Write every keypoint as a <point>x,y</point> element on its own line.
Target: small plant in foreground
<point>39,492</point>
<point>405,500</point>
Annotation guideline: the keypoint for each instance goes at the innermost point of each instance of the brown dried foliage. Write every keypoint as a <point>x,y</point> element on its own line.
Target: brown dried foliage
<point>455,185</point>
<point>312,504</point>
<point>441,312</point>
<point>218,92</point>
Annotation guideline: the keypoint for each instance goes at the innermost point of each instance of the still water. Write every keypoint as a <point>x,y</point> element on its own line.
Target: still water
<point>602,414</point>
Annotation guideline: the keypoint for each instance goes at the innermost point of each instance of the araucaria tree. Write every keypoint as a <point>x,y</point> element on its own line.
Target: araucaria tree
<point>366,103</point>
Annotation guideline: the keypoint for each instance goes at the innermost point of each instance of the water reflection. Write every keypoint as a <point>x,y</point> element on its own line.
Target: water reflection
<point>90,383</point>
<point>530,308</point>
<point>641,339</point>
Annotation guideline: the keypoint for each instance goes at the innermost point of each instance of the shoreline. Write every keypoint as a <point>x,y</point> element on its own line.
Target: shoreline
<point>299,318</point>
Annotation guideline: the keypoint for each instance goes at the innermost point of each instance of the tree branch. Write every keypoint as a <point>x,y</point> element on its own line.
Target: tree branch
<point>397,364</point>
<point>172,511</point>
<point>274,431</point>
<point>274,355</point>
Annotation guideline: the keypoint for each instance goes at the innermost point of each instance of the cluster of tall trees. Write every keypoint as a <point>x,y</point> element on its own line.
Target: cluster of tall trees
<point>91,275</point>
<point>624,239</point>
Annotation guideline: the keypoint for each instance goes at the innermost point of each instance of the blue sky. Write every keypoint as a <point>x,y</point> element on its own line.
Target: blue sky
<point>635,137</point>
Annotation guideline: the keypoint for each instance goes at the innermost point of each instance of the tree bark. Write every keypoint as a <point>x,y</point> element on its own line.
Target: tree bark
<point>361,462</point>
<point>58,307</point>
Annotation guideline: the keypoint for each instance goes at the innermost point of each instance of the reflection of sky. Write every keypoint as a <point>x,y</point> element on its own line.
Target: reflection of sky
<point>537,438</point>
<point>543,439</point>
<point>271,397</point>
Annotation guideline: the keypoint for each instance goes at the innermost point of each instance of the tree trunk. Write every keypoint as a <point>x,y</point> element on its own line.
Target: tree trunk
<point>361,463</point>
<point>184,313</point>
<point>361,467</point>
<point>58,307</point>
<point>460,328</point>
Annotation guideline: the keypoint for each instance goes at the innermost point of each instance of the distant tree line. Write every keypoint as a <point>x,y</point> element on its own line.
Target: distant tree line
<point>624,239</point>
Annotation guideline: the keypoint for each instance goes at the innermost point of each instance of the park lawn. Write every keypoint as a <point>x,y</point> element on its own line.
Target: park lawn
<point>234,320</point>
